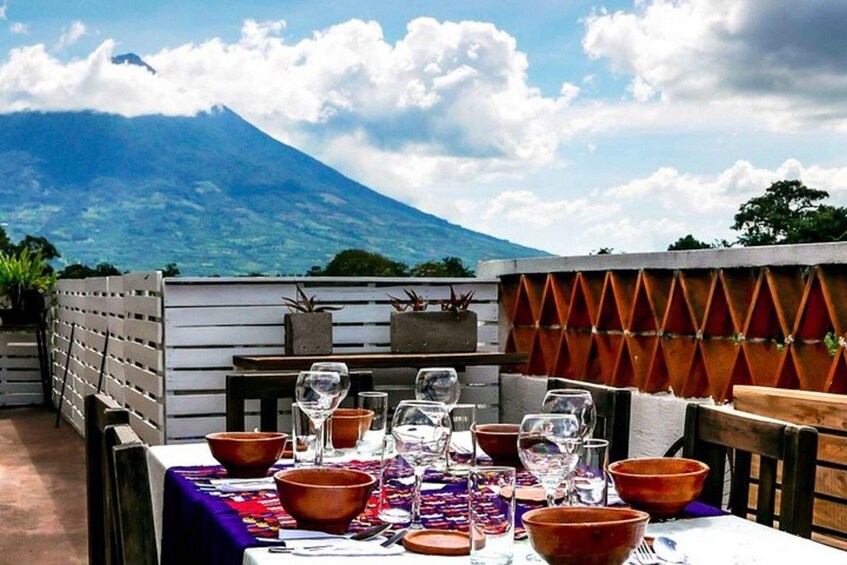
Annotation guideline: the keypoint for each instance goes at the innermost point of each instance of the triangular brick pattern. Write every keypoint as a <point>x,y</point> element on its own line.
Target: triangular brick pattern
<point>696,332</point>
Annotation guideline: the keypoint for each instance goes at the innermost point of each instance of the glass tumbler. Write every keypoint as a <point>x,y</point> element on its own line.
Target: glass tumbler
<point>460,455</point>
<point>591,483</point>
<point>491,507</point>
<point>372,440</point>
<point>303,437</point>
<point>396,486</point>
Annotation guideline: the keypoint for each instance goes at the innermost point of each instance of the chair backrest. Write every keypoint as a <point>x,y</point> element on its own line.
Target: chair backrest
<point>827,412</point>
<point>268,389</point>
<point>613,407</point>
<point>132,504</point>
<point>101,411</point>
<point>712,434</point>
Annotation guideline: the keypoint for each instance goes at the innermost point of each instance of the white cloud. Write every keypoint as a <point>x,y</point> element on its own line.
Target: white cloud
<point>72,35</point>
<point>3,9</point>
<point>19,28</point>
<point>779,59</point>
<point>32,79</point>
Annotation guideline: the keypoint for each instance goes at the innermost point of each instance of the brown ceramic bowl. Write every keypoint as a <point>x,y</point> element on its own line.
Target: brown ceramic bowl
<point>661,486</point>
<point>324,499</point>
<point>246,455</point>
<point>585,535</point>
<point>348,425</point>
<point>498,441</point>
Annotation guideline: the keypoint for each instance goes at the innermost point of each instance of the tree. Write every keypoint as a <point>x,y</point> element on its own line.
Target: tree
<point>447,267</point>
<point>81,271</point>
<point>38,244</point>
<point>689,242</point>
<point>5,242</point>
<point>361,263</point>
<point>171,270</point>
<point>790,212</point>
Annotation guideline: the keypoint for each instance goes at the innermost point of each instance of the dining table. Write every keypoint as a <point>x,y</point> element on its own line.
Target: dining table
<point>197,523</point>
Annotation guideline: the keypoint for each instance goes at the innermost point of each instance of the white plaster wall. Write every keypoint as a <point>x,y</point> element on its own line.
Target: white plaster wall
<point>657,419</point>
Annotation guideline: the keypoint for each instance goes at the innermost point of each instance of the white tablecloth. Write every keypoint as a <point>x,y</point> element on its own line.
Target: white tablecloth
<point>725,540</point>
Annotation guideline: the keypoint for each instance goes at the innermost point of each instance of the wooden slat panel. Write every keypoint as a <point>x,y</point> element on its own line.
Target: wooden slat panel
<point>817,409</point>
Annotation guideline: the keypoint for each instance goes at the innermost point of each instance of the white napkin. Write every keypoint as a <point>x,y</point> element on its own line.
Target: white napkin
<point>347,548</point>
<point>243,485</point>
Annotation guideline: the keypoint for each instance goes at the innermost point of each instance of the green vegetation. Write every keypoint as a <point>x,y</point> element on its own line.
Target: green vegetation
<point>22,274</point>
<point>788,212</point>
<point>361,263</point>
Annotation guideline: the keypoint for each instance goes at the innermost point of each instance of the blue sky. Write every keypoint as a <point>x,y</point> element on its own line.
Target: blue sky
<point>566,125</point>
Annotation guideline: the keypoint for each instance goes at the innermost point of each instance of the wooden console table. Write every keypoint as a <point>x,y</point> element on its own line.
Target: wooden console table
<point>270,363</point>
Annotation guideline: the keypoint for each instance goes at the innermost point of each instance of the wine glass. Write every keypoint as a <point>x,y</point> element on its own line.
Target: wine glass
<point>440,384</point>
<point>421,431</point>
<point>573,401</point>
<point>549,448</point>
<point>318,394</point>
<point>344,373</point>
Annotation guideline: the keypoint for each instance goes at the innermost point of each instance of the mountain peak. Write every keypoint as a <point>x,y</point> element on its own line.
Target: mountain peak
<point>132,59</point>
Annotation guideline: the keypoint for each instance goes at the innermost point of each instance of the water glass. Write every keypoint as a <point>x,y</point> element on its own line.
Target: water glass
<point>492,515</point>
<point>460,456</point>
<point>591,484</point>
<point>372,440</point>
<point>438,384</point>
<point>302,437</point>
<point>396,486</point>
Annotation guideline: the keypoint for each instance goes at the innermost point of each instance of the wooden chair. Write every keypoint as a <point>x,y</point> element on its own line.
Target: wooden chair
<point>714,434</point>
<point>268,389</point>
<point>132,504</point>
<point>101,411</point>
<point>613,413</point>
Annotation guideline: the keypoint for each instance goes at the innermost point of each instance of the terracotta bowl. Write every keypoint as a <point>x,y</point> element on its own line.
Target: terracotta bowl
<point>246,455</point>
<point>661,486</point>
<point>324,499</point>
<point>498,441</point>
<point>348,425</point>
<point>584,535</point>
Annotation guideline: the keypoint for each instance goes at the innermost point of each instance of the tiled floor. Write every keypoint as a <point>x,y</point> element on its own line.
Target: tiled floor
<point>42,490</point>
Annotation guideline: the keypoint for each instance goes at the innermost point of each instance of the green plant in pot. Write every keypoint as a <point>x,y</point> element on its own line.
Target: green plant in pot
<point>452,329</point>
<point>25,281</point>
<point>308,325</point>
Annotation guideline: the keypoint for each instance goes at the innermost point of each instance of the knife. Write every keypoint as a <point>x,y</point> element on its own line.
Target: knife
<point>395,538</point>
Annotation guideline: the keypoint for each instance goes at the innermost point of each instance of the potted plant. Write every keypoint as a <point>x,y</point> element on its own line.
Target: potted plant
<point>452,329</point>
<point>308,325</point>
<point>25,280</point>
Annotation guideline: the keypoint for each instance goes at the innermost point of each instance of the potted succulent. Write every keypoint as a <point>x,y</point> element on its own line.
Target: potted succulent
<point>25,280</point>
<point>308,325</point>
<point>452,329</point>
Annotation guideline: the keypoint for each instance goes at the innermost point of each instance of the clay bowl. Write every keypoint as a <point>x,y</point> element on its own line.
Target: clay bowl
<point>348,425</point>
<point>661,486</point>
<point>246,455</point>
<point>498,441</point>
<point>585,535</point>
<point>322,498</point>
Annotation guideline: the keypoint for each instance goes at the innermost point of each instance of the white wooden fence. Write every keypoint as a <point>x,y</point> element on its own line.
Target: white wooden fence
<point>20,373</point>
<point>177,338</point>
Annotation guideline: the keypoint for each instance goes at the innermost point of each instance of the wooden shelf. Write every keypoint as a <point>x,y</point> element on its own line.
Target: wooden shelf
<point>376,360</point>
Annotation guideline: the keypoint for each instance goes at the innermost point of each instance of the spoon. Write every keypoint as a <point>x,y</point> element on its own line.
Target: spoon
<point>668,550</point>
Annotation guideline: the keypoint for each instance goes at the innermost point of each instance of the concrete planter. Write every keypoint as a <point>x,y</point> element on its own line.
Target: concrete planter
<point>433,332</point>
<point>308,334</point>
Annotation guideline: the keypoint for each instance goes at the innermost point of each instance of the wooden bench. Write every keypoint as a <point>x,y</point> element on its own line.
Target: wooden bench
<point>827,413</point>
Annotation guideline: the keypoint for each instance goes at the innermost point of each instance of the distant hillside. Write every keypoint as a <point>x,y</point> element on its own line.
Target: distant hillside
<point>211,193</point>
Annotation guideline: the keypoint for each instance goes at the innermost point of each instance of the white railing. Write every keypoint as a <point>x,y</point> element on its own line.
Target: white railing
<point>174,340</point>
<point>20,372</point>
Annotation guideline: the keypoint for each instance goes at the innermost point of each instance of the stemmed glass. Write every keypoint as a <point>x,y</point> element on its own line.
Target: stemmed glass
<point>438,385</point>
<point>549,448</point>
<point>573,401</point>
<point>421,431</point>
<point>344,373</point>
<point>318,394</point>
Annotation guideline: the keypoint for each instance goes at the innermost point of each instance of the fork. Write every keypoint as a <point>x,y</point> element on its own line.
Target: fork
<point>645,555</point>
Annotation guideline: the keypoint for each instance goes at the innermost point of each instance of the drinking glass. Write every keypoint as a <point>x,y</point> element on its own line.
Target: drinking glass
<point>549,448</point>
<point>303,440</point>
<point>396,486</point>
<point>438,385</point>
<point>372,440</point>
<point>421,431</point>
<point>344,373</point>
<point>492,515</point>
<point>591,484</point>
<point>572,401</point>
<point>318,394</point>
<point>460,455</point>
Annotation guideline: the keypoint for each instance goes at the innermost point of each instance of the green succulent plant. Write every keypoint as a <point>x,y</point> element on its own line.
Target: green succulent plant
<point>307,304</point>
<point>21,273</point>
